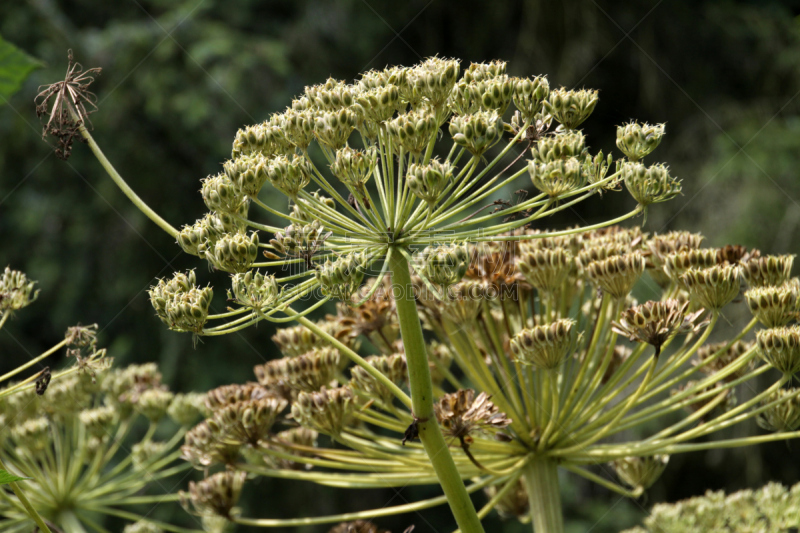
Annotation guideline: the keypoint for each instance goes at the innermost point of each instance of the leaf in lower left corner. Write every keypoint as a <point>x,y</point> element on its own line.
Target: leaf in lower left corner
<point>6,478</point>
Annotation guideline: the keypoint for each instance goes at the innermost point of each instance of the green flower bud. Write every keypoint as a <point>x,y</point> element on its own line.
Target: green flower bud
<point>571,108</point>
<point>234,252</point>
<point>413,130</point>
<point>649,185</point>
<point>216,495</point>
<point>773,306</point>
<point>557,177</point>
<point>544,269</point>
<point>616,275</point>
<point>153,403</point>
<point>770,270</point>
<point>308,372</point>
<point>427,182</point>
<point>637,140</point>
<point>780,347</point>
<point>333,128</point>
<point>98,422</point>
<point>712,288</point>
<point>289,176</point>
<point>354,167</point>
<point>544,346</point>
<point>641,472</point>
<point>254,290</point>
<point>16,291</point>
<point>445,265</point>
<point>298,126</point>
<point>222,195</point>
<point>559,146</point>
<point>180,304</point>
<point>187,409</point>
<point>327,411</point>
<point>529,96</point>
<point>783,416</point>
<point>341,278</point>
<point>477,132</point>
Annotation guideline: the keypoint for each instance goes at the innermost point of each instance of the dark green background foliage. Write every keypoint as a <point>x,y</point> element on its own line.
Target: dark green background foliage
<point>179,78</point>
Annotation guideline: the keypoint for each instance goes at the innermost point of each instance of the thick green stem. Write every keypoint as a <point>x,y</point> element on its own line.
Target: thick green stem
<point>422,399</point>
<point>544,495</point>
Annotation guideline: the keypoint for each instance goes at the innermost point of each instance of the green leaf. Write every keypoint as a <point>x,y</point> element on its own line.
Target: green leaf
<point>6,478</point>
<point>15,66</point>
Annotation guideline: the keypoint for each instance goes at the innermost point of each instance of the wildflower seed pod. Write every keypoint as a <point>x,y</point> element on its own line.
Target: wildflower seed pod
<point>616,275</point>
<point>773,306</point>
<point>221,194</point>
<point>32,435</point>
<point>298,126</point>
<point>216,495</point>
<point>545,346</point>
<point>780,347</point>
<point>289,175</point>
<point>770,270</point>
<point>247,173</point>
<point>529,96</point>
<point>142,526</point>
<point>649,185</point>
<point>16,291</point>
<point>477,132</point>
<point>180,304</point>
<point>433,80</point>
<point>198,237</point>
<point>247,422</point>
<point>254,290</point>
<point>290,438</point>
<point>378,104</point>
<point>713,287</point>
<point>637,140</point>
<point>571,108</point>
<point>265,139</point>
<point>341,278</point>
<point>354,167</point>
<point>297,340</point>
<point>332,95</point>
<point>204,447</point>
<point>427,182</point>
<point>559,146</point>
<point>187,409</point>
<point>716,358</point>
<point>784,415</point>
<point>461,413</point>
<point>641,472</point>
<point>462,302</point>
<point>557,177</point>
<point>595,170</point>
<point>392,366</point>
<point>98,422</point>
<point>153,403</point>
<point>145,452</point>
<point>445,265</point>
<point>359,526</point>
<point>485,71</point>
<point>234,252</point>
<point>679,263</point>
<point>307,373</point>
<point>514,504</point>
<point>333,128</point>
<point>544,269</point>
<point>327,411</point>
<point>226,395</point>
<point>296,239</point>
<point>300,209</point>
<point>656,322</point>
<point>413,130</point>
<point>660,246</point>
<point>495,94</point>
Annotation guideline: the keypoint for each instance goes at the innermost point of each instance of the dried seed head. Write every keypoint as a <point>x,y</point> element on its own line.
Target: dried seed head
<point>327,411</point>
<point>341,278</point>
<point>428,181</point>
<point>558,147</point>
<point>637,140</point>
<point>226,395</point>
<point>296,240</point>
<point>649,185</point>
<point>144,453</point>
<point>153,403</point>
<point>558,177</point>
<point>180,304</point>
<point>656,322</point>
<point>783,416</point>
<point>780,347</point>
<point>247,422</point>
<point>354,167</point>
<point>187,409</point>
<point>640,472</point>
<point>478,131</point>
<point>392,366</point>
<point>774,306</point>
<point>713,287</point>
<point>545,346</point>
<point>297,340</point>
<point>289,440</point>
<point>308,372</point>
<point>770,270</point>
<point>734,254</point>
<point>544,269</point>
<point>204,447</point>
<point>215,495</point>
<point>530,95</point>
<point>461,413</point>
<point>716,357</point>
<point>359,526</point>
<point>81,336</point>
<point>571,108</point>
<point>678,263</point>
<point>616,275</point>
<point>254,290</point>
<point>444,265</point>
<point>16,291</point>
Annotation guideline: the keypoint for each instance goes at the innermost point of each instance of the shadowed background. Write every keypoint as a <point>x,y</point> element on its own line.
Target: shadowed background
<point>179,78</point>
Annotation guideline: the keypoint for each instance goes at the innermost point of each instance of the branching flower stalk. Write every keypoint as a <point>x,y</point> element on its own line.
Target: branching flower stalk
<point>533,368</point>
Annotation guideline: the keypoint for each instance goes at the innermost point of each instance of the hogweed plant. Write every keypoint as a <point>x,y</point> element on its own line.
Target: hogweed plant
<point>69,449</point>
<point>541,357</point>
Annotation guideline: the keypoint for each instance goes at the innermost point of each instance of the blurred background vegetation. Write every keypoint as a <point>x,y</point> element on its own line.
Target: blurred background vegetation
<point>180,77</point>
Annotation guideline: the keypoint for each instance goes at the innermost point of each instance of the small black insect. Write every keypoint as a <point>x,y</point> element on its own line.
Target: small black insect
<point>43,381</point>
<point>412,431</point>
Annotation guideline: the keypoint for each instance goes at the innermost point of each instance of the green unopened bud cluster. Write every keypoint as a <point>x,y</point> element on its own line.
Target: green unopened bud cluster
<point>234,252</point>
<point>571,108</point>
<point>637,140</point>
<point>16,291</point>
<point>477,132</point>
<point>444,265</point>
<point>354,167</point>
<point>428,181</point>
<point>341,278</point>
<point>530,95</point>
<point>649,185</point>
<point>254,290</point>
<point>180,304</point>
<point>545,346</point>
